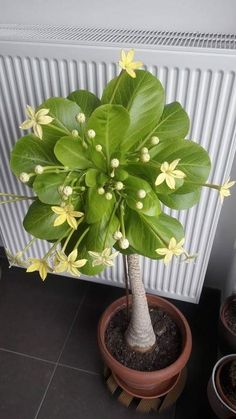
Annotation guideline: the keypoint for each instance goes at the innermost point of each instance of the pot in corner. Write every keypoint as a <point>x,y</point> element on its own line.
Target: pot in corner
<point>146,384</point>
<point>220,404</point>
<point>227,337</point>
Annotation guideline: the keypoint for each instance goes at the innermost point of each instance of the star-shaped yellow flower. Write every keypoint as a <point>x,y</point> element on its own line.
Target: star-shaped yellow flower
<point>224,189</point>
<point>106,257</point>
<point>169,174</point>
<point>173,249</point>
<point>127,63</point>
<point>36,119</point>
<point>68,263</point>
<point>40,265</point>
<point>16,259</point>
<point>68,214</point>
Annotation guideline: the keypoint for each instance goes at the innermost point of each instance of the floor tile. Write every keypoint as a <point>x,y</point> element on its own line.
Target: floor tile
<point>22,385</point>
<point>81,350</point>
<point>74,394</point>
<point>203,319</point>
<point>35,316</point>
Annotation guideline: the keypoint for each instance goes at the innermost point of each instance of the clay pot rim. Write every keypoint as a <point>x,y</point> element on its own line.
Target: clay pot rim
<point>177,365</point>
<point>223,308</point>
<point>213,379</point>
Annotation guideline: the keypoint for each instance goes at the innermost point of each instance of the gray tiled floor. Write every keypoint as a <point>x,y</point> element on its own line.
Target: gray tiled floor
<point>49,362</point>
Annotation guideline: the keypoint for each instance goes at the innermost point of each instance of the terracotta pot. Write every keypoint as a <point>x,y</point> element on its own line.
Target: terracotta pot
<point>146,384</point>
<point>227,337</point>
<point>222,407</point>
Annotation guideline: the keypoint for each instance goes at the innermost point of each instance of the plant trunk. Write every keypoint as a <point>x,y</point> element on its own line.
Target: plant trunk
<point>139,335</point>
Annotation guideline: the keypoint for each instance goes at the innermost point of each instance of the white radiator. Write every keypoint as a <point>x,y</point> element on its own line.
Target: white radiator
<point>198,70</point>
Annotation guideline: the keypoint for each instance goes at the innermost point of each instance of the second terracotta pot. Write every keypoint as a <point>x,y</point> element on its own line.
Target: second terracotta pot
<point>227,338</point>
<point>146,384</point>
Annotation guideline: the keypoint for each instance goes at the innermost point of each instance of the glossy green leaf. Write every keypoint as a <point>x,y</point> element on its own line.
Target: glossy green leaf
<point>46,187</point>
<point>174,122</point>
<point>71,153</point>
<point>91,177</point>
<point>39,222</point>
<point>151,203</point>
<point>87,101</point>
<point>64,112</point>
<point>110,122</point>
<point>146,234</point>
<point>143,97</point>
<point>30,151</point>
<point>97,206</point>
<point>181,201</point>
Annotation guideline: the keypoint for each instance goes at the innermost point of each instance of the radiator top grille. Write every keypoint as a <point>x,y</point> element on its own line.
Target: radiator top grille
<point>117,37</point>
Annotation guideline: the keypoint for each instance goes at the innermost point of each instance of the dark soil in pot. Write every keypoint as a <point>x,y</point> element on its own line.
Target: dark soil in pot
<point>169,342</point>
<point>228,381</point>
<point>230,315</point>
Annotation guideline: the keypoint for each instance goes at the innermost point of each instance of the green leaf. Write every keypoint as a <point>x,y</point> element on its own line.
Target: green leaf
<point>71,153</point>
<point>143,97</point>
<point>174,122</point>
<point>99,237</point>
<point>91,177</point>
<point>110,122</point>
<point>181,201</point>
<point>46,187</point>
<point>151,203</point>
<point>146,234</point>
<point>39,222</point>
<point>29,152</point>
<point>87,101</point>
<point>64,112</point>
<point>97,206</point>
<point>194,161</point>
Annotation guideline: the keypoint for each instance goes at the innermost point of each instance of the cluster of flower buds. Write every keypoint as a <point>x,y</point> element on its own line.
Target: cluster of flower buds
<point>145,156</point>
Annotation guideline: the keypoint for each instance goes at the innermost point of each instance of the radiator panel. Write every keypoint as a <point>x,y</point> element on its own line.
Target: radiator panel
<point>31,71</point>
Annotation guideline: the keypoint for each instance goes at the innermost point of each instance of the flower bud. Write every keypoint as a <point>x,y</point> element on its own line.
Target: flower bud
<point>145,157</point>
<point>115,163</point>
<point>108,196</point>
<point>139,205</point>
<point>124,243</point>
<point>144,150</point>
<point>91,133</point>
<point>82,188</point>
<point>38,169</point>
<point>101,191</point>
<point>98,148</point>
<point>117,235</point>
<point>80,118</point>
<point>119,186</point>
<point>155,140</point>
<point>24,177</point>
<point>74,133</point>
<point>141,193</point>
<point>67,190</point>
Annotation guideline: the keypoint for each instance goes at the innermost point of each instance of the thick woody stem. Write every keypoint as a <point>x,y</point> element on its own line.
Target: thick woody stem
<point>139,335</point>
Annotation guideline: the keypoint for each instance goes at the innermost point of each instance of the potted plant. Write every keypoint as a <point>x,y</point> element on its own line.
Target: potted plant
<point>100,171</point>
<point>227,325</point>
<point>222,387</point>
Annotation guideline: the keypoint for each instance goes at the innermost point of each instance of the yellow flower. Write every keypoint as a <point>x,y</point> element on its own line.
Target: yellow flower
<point>68,214</point>
<point>127,63</point>
<point>173,248</point>
<point>16,259</point>
<point>106,257</point>
<point>68,263</point>
<point>40,265</point>
<point>224,189</point>
<point>169,174</point>
<point>36,119</point>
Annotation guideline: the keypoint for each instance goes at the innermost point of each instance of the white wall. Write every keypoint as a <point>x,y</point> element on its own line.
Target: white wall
<point>181,15</point>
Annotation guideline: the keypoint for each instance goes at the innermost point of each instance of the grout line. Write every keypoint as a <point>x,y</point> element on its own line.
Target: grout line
<point>59,357</point>
<point>27,356</point>
<point>78,369</point>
